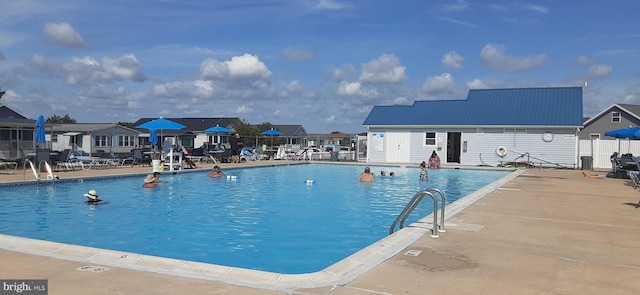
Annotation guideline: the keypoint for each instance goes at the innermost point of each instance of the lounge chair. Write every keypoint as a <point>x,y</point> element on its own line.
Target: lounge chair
<point>247,155</point>
<point>260,154</point>
<point>299,155</point>
<point>189,158</point>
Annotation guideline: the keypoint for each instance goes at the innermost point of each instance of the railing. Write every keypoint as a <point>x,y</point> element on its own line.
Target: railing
<point>33,169</point>
<point>47,167</point>
<point>417,198</point>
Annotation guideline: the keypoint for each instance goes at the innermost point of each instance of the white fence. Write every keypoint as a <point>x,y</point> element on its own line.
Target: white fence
<point>601,150</point>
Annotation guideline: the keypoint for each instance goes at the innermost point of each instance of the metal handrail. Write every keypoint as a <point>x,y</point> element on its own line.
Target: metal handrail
<point>33,169</point>
<point>444,202</point>
<point>49,171</point>
<point>417,198</point>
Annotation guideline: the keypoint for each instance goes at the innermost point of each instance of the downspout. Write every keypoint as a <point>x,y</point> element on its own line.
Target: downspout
<point>577,148</point>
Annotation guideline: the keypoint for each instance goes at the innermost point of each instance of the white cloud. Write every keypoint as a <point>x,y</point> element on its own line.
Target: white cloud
<point>63,34</point>
<point>452,60</point>
<point>330,119</point>
<point>600,71</point>
<point>246,68</point>
<point>493,56</point>
<point>459,5</point>
<point>87,70</point>
<point>584,61</point>
<point>351,89</point>
<point>344,72</point>
<point>477,84</point>
<point>439,84</point>
<point>386,69</point>
<point>330,5</point>
<point>291,53</point>
<point>197,88</point>
<point>402,100</point>
<point>536,8</point>
<point>241,110</point>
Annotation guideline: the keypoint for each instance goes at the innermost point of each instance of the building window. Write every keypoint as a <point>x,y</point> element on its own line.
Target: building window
<point>615,117</point>
<point>126,140</point>
<point>594,136</point>
<point>102,141</point>
<point>54,137</point>
<point>430,138</point>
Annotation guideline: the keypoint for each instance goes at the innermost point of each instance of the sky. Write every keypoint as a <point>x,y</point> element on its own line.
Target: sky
<point>322,64</point>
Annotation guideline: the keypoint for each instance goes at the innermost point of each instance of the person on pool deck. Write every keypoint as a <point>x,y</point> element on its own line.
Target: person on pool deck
<point>434,161</point>
<point>587,175</point>
<point>156,176</point>
<point>149,181</point>
<point>367,176</point>
<point>216,172</point>
<point>92,197</point>
<point>236,147</point>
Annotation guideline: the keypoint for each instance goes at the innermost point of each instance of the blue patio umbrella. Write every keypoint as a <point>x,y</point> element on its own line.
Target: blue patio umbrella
<point>40,132</point>
<point>630,133</point>
<point>272,132</point>
<point>161,124</point>
<point>217,129</point>
<point>153,136</point>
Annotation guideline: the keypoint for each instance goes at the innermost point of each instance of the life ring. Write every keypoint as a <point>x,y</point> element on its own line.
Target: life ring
<point>501,151</point>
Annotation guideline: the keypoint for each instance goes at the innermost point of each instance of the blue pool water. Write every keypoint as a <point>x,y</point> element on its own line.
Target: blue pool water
<point>268,218</point>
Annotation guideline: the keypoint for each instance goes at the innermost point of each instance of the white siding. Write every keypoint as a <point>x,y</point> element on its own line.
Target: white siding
<point>482,144</point>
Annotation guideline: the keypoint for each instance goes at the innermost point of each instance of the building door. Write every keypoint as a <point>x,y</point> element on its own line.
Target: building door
<point>397,147</point>
<point>453,147</point>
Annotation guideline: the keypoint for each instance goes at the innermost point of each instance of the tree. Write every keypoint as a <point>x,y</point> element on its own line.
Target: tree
<point>127,124</point>
<point>55,119</point>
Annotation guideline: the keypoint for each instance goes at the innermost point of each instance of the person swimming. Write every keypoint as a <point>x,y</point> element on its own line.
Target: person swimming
<point>216,172</point>
<point>93,198</point>
<point>149,181</point>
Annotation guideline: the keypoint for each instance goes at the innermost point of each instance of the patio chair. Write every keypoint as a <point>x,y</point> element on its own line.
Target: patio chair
<point>247,155</point>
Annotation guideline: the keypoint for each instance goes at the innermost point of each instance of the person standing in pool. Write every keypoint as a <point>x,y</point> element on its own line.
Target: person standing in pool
<point>149,181</point>
<point>156,176</point>
<point>424,176</point>
<point>367,176</point>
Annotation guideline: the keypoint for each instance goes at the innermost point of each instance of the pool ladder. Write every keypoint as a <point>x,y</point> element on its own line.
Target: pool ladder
<point>38,171</point>
<point>417,198</point>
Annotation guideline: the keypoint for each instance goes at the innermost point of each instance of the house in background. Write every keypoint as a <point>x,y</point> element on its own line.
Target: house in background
<point>193,135</point>
<point>333,139</point>
<point>92,138</point>
<point>489,127</point>
<point>16,133</point>
<point>593,142</point>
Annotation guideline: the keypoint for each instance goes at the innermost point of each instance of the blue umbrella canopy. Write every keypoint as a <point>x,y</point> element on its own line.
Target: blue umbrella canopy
<point>217,129</point>
<point>153,136</point>
<point>630,133</point>
<point>161,124</point>
<point>272,132</point>
<point>40,132</point>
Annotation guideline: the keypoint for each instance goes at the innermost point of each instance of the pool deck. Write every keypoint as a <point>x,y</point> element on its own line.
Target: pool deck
<point>543,232</point>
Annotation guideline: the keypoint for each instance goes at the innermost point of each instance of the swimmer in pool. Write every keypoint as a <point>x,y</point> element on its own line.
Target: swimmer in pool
<point>156,176</point>
<point>149,181</point>
<point>92,197</point>
<point>216,172</point>
<point>367,176</point>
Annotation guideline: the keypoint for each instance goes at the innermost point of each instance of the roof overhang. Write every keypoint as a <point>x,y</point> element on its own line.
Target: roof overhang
<point>71,133</point>
<point>469,126</point>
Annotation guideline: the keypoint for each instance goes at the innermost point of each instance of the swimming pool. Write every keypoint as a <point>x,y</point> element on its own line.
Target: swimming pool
<point>268,218</point>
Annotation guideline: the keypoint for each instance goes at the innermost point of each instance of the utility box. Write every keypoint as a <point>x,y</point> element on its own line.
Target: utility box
<point>586,162</point>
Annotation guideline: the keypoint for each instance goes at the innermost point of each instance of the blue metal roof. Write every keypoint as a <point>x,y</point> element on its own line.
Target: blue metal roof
<point>559,106</point>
